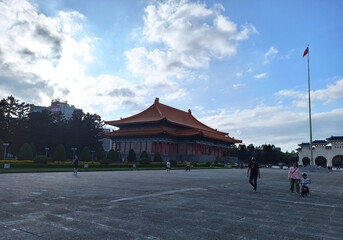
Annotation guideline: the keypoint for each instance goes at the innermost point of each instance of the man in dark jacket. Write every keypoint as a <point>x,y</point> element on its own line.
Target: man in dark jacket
<point>254,170</point>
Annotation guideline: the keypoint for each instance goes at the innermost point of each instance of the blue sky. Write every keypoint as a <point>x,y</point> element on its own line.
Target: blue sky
<point>236,64</point>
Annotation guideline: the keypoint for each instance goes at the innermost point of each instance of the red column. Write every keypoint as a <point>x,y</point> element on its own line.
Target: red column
<point>186,149</point>
<point>119,146</point>
<point>165,148</point>
<point>125,147</point>
<point>152,147</point>
<point>146,146</point>
<point>196,149</point>
<point>140,147</point>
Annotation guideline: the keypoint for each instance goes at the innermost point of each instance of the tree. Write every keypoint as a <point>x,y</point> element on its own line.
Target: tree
<point>25,152</point>
<point>13,117</point>
<point>84,130</point>
<point>42,130</point>
<point>131,157</point>
<point>85,155</point>
<point>2,149</point>
<point>59,153</point>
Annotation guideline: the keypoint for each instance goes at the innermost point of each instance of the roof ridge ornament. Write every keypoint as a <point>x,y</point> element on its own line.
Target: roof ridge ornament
<point>189,111</point>
<point>157,100</point>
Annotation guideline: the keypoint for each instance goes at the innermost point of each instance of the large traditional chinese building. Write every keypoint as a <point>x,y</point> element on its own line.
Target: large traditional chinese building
<point>173,133</point>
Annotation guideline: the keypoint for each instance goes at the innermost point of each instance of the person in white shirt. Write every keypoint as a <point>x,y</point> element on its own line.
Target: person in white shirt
<point>168,166</point>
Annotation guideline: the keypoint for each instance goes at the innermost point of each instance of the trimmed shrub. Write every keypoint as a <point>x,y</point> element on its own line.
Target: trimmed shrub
<point>112,156</point>
<point>131,157</point>
<point>40,159</point>
<point>144,161</point>
<point>59,153</point>
<point>85,155</point>
<point>144,158</point>
<point>144,154</point>
<point>101,154</point>
<point>25,152</point>
<point>157,157</point>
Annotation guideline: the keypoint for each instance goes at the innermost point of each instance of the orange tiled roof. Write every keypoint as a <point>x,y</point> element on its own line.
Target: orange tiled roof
<point>159,111</point>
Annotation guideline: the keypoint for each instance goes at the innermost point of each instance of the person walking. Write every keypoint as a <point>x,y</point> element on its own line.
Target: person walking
<point>168,166</point>
<point>76,164</point>
<point>188,166</point>
<point>294,177</point>
<point>254,170</point>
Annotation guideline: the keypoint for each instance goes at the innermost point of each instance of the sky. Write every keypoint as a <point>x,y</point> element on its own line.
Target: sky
<point>237,64</point>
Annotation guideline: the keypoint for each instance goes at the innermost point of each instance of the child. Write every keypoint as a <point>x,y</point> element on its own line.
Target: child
<point>305,182</point>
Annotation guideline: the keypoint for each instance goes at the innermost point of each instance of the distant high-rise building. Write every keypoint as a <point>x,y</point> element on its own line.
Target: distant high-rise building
<point>63,107</point>
<point>56,106</point>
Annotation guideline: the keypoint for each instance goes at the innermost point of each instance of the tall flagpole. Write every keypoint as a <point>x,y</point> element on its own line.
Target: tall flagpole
<point>309,102</point>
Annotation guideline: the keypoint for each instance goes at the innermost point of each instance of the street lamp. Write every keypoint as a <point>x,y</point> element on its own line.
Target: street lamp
<point>5,145</point>
<point>46,151</point>
<point>74,149</point>
<point>93,151</point>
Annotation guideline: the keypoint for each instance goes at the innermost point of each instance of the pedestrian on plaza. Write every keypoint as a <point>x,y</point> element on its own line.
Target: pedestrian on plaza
<point>168,166</point>
<point>188,166</point>
<point>294,177</point>
<point>254,170</point>
<point>76,164</point>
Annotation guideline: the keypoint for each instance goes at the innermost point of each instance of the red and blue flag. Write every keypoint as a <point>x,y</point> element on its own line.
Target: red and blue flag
<point>306,52</point>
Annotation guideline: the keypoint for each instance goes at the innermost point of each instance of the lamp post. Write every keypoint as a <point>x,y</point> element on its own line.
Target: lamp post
<point>73,149</point>
<point>93,155</point>
<point>5,145</point>
<point>46,151</point>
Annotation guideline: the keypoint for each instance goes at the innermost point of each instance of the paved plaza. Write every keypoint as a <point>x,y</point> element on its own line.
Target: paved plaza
<point>201,204</point>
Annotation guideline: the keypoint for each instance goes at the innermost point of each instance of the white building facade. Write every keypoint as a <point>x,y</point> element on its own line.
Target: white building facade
<point>326,153</point>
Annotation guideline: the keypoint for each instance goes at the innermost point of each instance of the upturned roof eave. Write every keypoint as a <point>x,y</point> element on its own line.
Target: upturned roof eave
<point>176,133</point>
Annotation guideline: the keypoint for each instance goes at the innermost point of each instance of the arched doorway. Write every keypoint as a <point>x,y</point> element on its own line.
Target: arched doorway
<point>321,161</point>
<point>337,161</point>
<point>306,161</point>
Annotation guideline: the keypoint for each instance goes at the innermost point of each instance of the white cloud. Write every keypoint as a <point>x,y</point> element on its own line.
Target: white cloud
<point>179,94</point>
<point>261,75</point>
<point>189,36</point>
<point>41,58</point>
<point>270,54</point>
<point>272,51</point>
<point>192,33</point>
<point>239,85</point>
<point>40,54</point>
<point>331,93</point>
<point>275,124</point>
<point>239,74</point>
